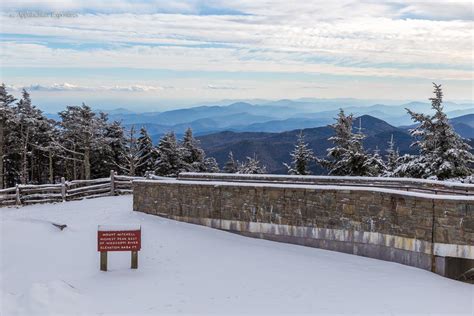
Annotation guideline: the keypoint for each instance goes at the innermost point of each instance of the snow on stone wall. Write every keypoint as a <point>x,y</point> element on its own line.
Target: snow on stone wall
<point>409,228</point>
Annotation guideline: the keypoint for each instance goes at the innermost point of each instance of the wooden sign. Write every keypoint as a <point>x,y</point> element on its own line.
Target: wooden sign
<point>118,238</point>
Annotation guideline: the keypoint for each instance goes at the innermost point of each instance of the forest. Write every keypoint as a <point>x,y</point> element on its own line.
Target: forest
<point>84,144</point>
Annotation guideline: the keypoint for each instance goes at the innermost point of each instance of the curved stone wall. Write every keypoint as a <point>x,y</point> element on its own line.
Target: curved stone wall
<point>432,232</point>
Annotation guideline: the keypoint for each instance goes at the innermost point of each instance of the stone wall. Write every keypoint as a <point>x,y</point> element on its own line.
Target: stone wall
<point>419,230</point>
<point>406,184</point>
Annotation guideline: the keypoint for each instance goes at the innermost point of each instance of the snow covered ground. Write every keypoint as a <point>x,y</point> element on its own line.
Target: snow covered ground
<point>190,269</point>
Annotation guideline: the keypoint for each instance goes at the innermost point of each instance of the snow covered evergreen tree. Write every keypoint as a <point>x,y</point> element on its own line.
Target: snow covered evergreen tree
<point>170,156</point>
<point>348,157</point>
<point>410,166</point>
<point>392,157</point>
<point>443,153</point>
<point>193,155</point>
<point>83,132</point>
<point>301,157</point>
<point>29,131</point>
<point>133,156</point>
<point>252,166</point>
<point>375,164</point>
<point>110,155</point>
<point>211,165</point>
<point>43,151</point>
<point>231,165</point>
<point>6,118</point>
<point>145,144</point>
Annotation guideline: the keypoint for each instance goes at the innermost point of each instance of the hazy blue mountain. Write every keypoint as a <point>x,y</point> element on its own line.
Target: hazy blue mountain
<point>457,113</point>
<point>282,125</point>
<point>273,148</point>
<point>274,116</point>
<point>204,125</point>
<point>117,111</point>
<point>464,119</point>
<point>463,125</point>
<point>394,114</point>
<point>465,130</point>
<point>181,116</point>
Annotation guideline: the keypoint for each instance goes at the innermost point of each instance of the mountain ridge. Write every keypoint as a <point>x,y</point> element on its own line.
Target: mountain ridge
<point>273,149</point>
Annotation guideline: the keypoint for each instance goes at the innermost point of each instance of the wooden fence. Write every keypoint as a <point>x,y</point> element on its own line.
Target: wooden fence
<point>66,190</point>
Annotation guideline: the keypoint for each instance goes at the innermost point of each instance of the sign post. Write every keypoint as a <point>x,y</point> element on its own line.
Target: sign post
<point>119,238</point>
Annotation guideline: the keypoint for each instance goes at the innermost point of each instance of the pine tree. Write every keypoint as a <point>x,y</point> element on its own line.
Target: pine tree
<point>348,157</point>
<point>392,158</point>
<point>301,157</point>
<point>170,158</point>
<point>43,151</point>
<point>211,165</point>
<point>411,166</point>
<point>231,165</point>
<point>83,134</point>
<point>375,164</point>
<point>29,156</point>
<point>6,118</point>
<point>29,127</point>
<point>111,154</point>
<point>145,145</point>
<point>443,153</point>
<point>133,156</point>
<point>252,166</point>
<point>193,155</point>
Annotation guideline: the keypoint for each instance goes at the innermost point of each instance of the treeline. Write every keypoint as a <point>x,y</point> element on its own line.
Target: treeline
<point>84,145</point>
<point>443,154</point>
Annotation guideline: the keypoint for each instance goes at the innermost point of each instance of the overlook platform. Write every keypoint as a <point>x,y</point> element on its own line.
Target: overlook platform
<point>421,223</point>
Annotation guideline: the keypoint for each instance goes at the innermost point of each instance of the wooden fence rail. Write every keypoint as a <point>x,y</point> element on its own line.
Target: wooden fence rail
<point>67,190</point>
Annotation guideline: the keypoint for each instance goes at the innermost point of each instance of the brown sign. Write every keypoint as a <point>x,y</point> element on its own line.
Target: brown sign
<point>126,240</point>
<point>119,238</point>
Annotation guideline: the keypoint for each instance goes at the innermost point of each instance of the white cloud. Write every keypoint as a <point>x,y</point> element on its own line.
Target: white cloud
<point>282,9</point>
<point>381,39</point>
<point>355,41</point>
<point>72,87</point>
<point>221,87</point>
<point>198,59</point>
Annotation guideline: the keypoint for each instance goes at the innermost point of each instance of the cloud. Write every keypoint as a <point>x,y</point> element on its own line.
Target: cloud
<point>224,87</point>
<point>281,9</point>
<point>72,87</point>
<point>440,10</point>
<point>223,59</point>
<point>308,34</point>
<point>397,39</point>
<point>314,87</point>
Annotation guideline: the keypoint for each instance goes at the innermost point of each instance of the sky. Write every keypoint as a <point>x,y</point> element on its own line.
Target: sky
<point>154,55</point>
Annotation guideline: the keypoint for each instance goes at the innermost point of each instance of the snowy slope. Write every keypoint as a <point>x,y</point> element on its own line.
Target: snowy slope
<point>185,268</point>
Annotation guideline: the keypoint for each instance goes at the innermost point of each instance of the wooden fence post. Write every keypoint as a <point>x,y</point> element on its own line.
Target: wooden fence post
<point>112,182</point>
<point>63,189</point>
<point>103,261</point>
<point>134,264</point>
<point>17,196</point>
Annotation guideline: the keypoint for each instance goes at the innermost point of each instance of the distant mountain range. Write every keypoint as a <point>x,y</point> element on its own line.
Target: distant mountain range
<point>262,117</point>
<point>274,148</point>
<point>463,125</point>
